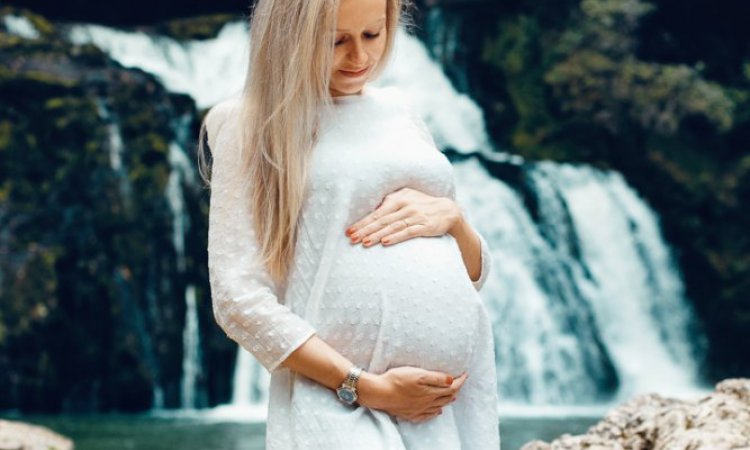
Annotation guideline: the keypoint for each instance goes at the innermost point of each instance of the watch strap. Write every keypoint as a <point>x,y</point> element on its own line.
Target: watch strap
<point>352,377</point>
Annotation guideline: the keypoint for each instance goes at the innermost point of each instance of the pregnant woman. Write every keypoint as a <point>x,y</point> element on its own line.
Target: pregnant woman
<point>338,256</point>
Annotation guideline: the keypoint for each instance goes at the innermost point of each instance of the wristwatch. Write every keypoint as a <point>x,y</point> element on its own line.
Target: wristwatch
<point>347,392</point>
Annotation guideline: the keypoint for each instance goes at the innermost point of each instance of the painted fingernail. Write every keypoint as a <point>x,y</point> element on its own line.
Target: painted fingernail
<point>449,379</point>
<point>354,236</point>
<point>367,242</point>
<point>386,241</point>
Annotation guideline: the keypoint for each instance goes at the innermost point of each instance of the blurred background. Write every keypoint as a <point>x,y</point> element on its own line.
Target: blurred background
<point>601,146</point>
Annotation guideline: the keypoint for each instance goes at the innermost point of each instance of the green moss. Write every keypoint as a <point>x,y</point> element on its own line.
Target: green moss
<point>516,54</point>
<point>5,134</point>
<point>9,41</point>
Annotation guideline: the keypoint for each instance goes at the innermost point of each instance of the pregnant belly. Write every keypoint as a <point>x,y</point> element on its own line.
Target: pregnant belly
<point>408,304</point>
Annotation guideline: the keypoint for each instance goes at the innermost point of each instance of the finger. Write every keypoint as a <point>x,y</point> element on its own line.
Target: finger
<point>459,382</point>
<point>437,409</point>
<point>386,206</point>
<point>396,226</point>
<point>454,387</point>
<point>425,417</point>
<point>372,222</point>
<point>383,226</point>
<point>412,231</point>
<point>436,379</point>
<point>444,400</point>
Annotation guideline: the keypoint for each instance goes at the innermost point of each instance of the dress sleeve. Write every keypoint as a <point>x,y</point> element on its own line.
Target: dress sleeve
<point>244,298</point>
<point>486,265</point>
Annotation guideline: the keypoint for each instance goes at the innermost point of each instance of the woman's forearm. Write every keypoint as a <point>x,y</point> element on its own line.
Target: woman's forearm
<point>317,360</point>
<point>470,246</point>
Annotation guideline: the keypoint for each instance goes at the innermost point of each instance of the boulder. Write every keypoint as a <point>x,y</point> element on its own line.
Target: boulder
<point>720,420</point>
<point>23,436</point>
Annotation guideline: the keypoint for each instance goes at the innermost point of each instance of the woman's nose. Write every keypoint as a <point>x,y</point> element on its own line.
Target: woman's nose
<point>357,54</point>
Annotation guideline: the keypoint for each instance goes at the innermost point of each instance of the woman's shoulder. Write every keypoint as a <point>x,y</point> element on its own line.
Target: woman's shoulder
<point>219,115</point>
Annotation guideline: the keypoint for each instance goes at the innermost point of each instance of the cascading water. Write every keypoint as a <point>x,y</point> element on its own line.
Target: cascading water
<point>585,295</point>
<point>116,150</point>
<point>20,26</point>
<point>181,174</point>
<point>586,300</point>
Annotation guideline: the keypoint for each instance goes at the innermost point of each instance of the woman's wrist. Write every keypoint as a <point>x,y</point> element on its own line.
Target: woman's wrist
<point>460,228</point>
<point>369,389</point>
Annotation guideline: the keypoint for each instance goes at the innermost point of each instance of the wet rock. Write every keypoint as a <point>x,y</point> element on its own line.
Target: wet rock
<point>720,420</point>
<point>23,436</point>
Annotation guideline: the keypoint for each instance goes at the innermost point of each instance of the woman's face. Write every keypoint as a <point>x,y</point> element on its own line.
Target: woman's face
<point>360,42</point>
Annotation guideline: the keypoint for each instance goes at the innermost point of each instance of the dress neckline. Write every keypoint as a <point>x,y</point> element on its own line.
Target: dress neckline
<point>351,98</point>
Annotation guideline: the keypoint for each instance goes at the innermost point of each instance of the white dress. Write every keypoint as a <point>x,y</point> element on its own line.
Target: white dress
<point>410,303</point>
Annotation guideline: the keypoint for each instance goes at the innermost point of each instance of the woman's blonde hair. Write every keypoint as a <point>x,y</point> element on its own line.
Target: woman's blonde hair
<point>291,59</point>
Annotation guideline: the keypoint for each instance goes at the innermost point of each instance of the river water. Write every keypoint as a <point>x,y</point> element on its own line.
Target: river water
<point>143,432</point>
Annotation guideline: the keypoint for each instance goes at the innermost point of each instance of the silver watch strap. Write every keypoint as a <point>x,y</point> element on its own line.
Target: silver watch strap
<point>353,376</point>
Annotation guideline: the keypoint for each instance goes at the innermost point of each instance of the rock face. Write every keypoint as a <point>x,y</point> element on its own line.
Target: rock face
<point>650,422</point>
<point>92,290</point>
<point>23,436</point>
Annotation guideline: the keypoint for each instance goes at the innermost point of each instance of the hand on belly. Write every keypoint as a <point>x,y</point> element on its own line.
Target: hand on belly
<point>405,214</point>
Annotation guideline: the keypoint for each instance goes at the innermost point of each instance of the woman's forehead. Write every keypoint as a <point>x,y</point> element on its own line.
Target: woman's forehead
<point>355,15</point>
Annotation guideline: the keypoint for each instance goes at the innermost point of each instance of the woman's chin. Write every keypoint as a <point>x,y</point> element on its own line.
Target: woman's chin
<point>349,88</point>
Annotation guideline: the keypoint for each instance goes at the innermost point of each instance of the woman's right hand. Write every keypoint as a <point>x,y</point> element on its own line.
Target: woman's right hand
<point>410,393</point>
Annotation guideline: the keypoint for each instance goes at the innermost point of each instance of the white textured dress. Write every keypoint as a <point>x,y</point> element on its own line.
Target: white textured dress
<point>407,304</point>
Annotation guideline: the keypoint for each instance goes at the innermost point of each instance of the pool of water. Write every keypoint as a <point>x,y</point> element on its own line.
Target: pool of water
<point>142,432</point>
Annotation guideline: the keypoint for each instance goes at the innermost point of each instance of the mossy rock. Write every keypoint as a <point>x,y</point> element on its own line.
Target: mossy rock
<point>42,25</point>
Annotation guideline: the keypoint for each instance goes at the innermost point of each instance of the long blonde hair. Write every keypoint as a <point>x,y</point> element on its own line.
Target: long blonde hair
<point>291,59</point>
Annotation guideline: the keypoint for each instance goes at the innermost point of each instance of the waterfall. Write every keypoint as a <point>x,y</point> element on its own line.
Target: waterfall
<point>181,174</point>
<point>135,320</point>
<point>585,296</point>
<point>586,300</point>
<point>20,26</point>
<point>191,68</point>
<point>116,150</point>
<point>191,363</point>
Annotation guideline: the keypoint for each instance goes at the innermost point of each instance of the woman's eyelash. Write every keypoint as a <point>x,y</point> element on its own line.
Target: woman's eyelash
<point>367,35</point>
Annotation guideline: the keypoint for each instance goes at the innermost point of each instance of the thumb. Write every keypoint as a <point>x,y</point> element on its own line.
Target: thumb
<point>439,379</point>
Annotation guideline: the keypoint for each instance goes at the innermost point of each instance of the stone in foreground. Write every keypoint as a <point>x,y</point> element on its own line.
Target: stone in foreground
<point>650,422</point>
<point>23,436</point>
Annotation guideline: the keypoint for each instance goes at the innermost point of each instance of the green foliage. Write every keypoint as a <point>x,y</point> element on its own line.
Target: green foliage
<point>515,52</point>
<point>600,78</point>
<point>583,90</point>
<point>620,94</point>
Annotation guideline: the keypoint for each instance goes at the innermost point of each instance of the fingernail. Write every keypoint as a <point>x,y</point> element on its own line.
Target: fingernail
<point>449,379</point>
<point>349,230</point>
<point>354,236</point>
<point>366,242</point>
<point>386,241</point>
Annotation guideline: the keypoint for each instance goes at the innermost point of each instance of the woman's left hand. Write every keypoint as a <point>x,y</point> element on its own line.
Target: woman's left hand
<point>404,214</point>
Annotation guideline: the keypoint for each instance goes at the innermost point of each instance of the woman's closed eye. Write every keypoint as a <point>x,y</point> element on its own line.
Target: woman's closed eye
<point>368,36</point>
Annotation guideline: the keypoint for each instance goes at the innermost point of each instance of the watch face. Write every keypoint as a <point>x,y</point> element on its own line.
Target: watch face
<point>346,395</point>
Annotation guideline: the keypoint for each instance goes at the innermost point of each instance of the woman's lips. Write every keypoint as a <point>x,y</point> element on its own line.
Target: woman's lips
<point>351,74</point>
